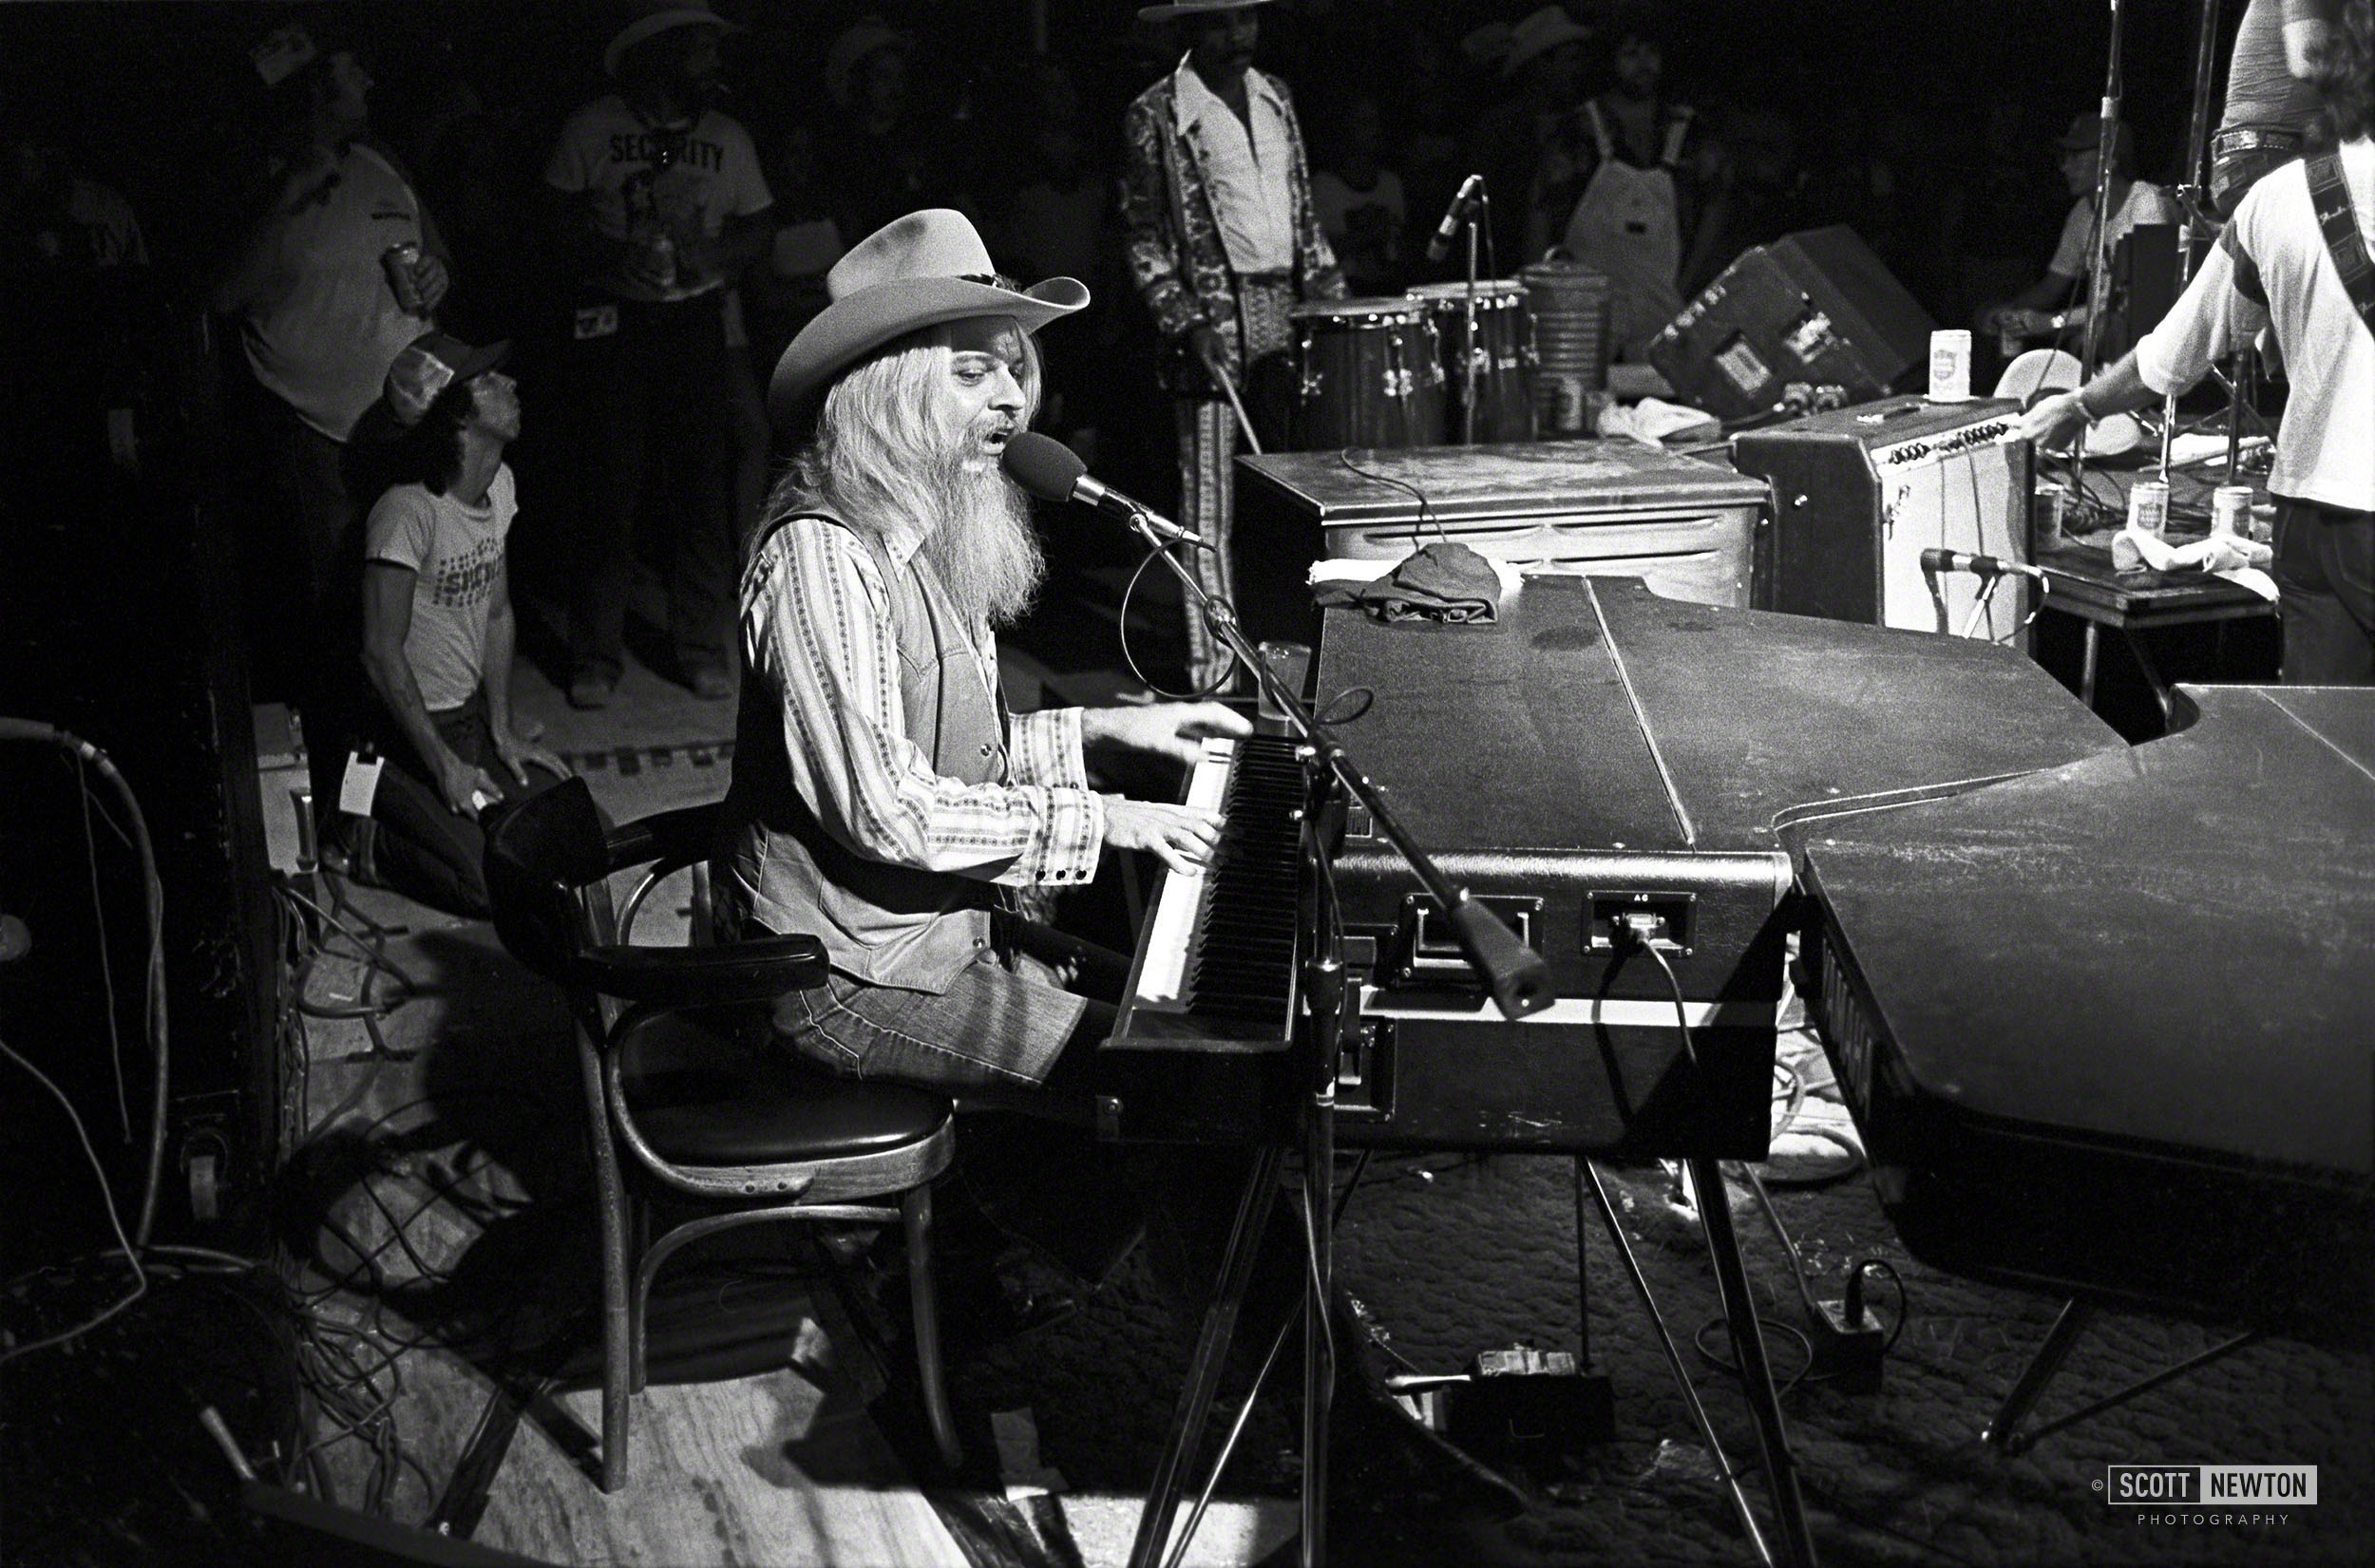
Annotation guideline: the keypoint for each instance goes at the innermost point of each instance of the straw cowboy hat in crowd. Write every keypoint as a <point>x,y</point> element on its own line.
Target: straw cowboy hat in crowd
<point>1541,32</point>
<point>652,17</point>
<point>1185,9</point>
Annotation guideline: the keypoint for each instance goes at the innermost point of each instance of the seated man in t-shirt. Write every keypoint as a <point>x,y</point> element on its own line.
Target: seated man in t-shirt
<point>2057,304</point>
<point>437,626</point>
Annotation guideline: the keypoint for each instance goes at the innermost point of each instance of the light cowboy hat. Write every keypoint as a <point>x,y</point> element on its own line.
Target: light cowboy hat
<point>1541,32</point>
<point>1181,10</point>
<point>653,17</point>
<point>919,271</point>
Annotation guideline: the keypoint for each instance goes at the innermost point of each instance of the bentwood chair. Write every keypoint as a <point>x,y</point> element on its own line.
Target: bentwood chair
<point>678,1102</point>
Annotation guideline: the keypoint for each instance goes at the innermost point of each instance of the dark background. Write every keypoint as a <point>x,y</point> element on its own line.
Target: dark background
<point>123,601</point>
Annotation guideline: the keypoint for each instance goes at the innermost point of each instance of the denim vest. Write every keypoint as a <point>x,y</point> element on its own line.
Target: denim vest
<point>888,925</point>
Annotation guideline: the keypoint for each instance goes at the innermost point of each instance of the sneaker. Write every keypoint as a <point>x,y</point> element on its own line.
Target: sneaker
<point>712,683</point>
<point>590,690</point>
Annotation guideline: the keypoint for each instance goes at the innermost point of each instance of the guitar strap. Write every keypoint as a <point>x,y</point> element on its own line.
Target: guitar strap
<point>2331,194</point>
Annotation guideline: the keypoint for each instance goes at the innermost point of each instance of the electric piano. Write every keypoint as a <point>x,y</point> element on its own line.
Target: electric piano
<point>1597,762</point>
<point>1212,1002</point>
<point>2109,1030</point>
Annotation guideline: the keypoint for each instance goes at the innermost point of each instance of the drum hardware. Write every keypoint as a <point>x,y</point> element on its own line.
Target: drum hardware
<point>1489,355</point>
<point>1370,374</point>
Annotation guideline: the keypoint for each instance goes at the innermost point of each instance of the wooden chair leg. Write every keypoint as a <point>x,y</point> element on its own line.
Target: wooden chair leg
<point>916,1207</point>
<point>638,1300</point>
<point>618,1340</point>
<point>621,1345</point>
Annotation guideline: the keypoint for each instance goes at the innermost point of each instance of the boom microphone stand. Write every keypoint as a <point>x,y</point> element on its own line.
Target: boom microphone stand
<point>1467,341</point>
<point>1520,983</point>
<point>2198,224</point>
<point>2098,270</point>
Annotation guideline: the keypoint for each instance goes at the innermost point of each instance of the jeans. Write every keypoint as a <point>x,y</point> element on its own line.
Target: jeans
<point>419,846</point>
<point>1006,1040</point>
<point>657,390</point>
<point>2325,568</point>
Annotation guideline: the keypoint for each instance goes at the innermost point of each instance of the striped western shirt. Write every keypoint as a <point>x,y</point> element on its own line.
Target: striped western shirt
<point>817,622</point>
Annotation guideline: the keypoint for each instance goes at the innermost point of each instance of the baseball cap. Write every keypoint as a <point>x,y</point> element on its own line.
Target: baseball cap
<point>430,363</point>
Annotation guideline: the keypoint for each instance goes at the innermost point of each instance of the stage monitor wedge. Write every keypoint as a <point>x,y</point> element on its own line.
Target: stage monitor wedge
<point>1816,306</point>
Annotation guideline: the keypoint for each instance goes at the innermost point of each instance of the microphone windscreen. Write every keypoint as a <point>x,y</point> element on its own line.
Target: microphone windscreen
<point>1042,465</point>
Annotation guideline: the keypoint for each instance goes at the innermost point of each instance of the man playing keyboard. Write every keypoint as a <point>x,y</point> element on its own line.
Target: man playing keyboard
<point>884,800</point>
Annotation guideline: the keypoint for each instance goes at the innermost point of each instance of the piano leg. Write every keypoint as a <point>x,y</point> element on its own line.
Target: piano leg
<point>2004,1433</point>
<point>1204,1371</point>
<point>2152,678</point>
<point>1748,1343</point>
<point>2001,1430</point>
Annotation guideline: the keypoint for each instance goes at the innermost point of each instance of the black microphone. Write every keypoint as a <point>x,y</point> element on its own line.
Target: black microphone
<point>1053,471</point>
<point>1934,561</point>
<point>1447,230</point>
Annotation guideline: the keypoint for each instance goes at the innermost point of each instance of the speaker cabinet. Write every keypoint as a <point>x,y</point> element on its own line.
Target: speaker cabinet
<point>1816,306</point>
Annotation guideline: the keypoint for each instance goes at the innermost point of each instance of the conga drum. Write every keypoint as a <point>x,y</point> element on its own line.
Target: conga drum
<point>1371,375</point>
<point>1502,355</point>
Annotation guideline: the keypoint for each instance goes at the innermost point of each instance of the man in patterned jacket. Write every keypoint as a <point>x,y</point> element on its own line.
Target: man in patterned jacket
<point>1223,238</point>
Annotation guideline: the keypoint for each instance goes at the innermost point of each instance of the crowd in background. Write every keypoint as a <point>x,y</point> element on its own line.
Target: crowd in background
<point>1938,148</point>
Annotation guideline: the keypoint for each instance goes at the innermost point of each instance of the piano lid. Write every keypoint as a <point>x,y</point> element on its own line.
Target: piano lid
<point>2173,944</point>
<point>1595,714</point>
<point>1514,481</point>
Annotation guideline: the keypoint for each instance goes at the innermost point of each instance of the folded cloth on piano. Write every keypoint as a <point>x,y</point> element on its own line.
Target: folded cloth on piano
<point>2239,560</point>
<point>1445,581</point>
<point>1653,422</point>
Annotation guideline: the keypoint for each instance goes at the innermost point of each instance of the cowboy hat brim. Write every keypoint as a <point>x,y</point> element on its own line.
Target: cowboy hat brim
<point>658,22</point>
<point>858,324</point>
<point>1177,9</point>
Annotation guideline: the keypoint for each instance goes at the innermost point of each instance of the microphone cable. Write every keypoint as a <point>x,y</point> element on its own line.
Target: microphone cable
<point>1129,655</point>
<point>153,887</point>
<point>1426,517</point>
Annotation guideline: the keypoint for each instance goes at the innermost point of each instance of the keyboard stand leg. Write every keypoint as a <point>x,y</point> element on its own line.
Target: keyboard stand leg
<point>2001,1431</point>
<point>1319,1343</point>
<point>1204,1371</point>
<point>1748,1343</point>
<point>1587,1180</point>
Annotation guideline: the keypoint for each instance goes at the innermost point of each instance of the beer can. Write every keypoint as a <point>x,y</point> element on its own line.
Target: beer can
<point>2148,507</point>
<point>2046,510</point>
<point>1950,366</point>
<point>2231,509</point>
<point>661,256</point>
<point>399,261</point>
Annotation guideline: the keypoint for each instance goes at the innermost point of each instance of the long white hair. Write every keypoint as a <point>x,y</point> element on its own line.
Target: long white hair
<point>879,453</point>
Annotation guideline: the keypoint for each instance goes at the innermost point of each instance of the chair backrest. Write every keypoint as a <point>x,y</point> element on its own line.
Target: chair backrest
<point>539,857</point>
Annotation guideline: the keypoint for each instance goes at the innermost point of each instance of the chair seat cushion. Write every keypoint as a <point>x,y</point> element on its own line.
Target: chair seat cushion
<point>704,1092</point>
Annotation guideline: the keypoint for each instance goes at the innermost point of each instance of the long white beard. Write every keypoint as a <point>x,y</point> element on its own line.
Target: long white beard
<point>983,547</point>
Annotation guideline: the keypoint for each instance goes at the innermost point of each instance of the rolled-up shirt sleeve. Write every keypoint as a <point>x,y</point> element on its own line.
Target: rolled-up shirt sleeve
<point>819,630</point>
<point>2213,318</point>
